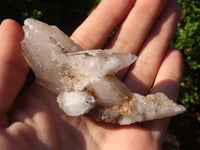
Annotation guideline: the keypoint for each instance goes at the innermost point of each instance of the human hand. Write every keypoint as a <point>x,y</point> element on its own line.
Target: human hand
<point>35,120</point>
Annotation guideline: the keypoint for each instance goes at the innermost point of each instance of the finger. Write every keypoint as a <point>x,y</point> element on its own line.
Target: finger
<point>167,81</point>
<point>137,25</point>
<point>97,27</point>
<point>13,68</point>
<point>170,72</point>
<point>142,74</point>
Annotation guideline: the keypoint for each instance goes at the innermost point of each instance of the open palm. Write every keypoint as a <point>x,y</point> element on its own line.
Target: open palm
<point>35,121</point>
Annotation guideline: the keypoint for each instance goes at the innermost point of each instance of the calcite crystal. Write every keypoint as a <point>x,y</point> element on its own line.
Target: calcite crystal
<point>85,81</point>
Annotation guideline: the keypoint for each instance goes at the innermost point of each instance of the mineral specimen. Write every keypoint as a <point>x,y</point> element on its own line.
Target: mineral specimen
<point>85,81</point>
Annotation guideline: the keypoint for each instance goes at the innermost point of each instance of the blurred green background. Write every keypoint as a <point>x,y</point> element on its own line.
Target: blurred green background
<point>184,130</point>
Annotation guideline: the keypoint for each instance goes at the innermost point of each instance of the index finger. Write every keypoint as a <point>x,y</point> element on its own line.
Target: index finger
<point>94,31</point>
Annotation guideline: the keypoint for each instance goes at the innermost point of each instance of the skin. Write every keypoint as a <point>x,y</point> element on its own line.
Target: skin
<point>34,121</point>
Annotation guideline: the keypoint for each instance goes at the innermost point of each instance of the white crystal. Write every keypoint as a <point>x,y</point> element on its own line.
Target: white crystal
<point>84,79</point>
<point>76,103</point>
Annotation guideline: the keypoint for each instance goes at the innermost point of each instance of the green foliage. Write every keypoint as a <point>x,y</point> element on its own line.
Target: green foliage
<point>36,14</point>
<point>187,39</point>
<point>97,1</point>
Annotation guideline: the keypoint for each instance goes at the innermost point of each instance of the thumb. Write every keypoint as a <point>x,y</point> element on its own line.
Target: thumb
<point>13,68</point>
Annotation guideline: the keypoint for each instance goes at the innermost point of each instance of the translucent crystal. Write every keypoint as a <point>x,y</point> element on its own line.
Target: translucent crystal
<point>85,79</point>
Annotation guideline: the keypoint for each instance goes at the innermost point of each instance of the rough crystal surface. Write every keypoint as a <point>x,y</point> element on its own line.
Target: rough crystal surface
<point>84,79</point>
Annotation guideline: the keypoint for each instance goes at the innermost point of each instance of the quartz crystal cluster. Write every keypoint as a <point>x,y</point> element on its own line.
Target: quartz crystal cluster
<point>85,81</point>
